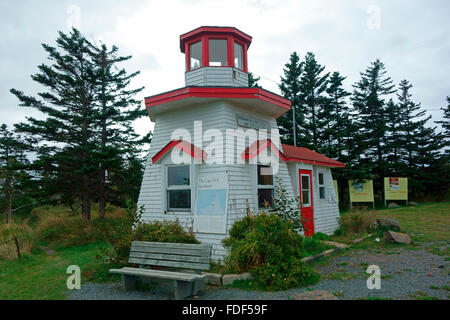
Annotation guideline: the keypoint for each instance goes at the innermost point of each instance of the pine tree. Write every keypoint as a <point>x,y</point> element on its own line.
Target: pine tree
<point>338,122</point>
<point>117,110</point>
<point>369,104</point>
<point>394,138</point>
<point>290,122</point>
<point>13,164</point>
<point>253,81</point>
<point>67,134</point>
<point>313,85</point>
<point>445,123</point>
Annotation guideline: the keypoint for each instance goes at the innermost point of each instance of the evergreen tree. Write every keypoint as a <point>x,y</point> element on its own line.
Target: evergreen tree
<point>68,133</point>
<point>13,162</point>
<point>313,85</point>
<point>253,81</point>
<point>445,123</point>
<point>393,138</point>
<point>370,120</point>
<point>290,122</point>
<point>336,115</point>
<point>117,110</point>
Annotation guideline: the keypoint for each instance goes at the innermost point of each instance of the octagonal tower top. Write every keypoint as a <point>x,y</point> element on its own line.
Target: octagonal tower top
<point>216,56</point>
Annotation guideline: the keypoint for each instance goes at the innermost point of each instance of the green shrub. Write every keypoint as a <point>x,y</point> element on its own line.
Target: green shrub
<point>131,227</point>
<point>321,236</point>
<point>358,221</point>
<point>286,207</point>
<point>270,250</point>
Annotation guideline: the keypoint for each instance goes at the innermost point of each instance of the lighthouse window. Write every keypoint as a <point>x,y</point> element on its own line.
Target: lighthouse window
<point>195,52</point>
<point>238,56</point>
<point>178,188</point>
<point>218,53</point>
<point>265,186</point>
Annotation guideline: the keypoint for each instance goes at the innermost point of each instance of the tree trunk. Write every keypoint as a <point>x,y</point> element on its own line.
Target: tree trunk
<point>86,210</point>
<point>102,196</point>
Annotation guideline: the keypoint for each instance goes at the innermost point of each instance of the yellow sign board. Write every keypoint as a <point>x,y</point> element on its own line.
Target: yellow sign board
<point>395,188</point>
<point>336,190</point>
<point>361,190</point>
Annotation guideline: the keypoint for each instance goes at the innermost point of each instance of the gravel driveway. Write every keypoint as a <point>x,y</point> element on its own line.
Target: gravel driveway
<point>405,274</point>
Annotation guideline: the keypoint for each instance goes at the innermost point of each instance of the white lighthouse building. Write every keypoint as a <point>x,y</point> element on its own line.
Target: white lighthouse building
<point>215,154</point>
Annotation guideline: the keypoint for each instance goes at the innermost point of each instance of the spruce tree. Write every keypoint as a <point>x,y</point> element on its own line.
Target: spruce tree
<point>117,110</point>
<point>253,81</point>
<point>445,123</point>
<point>290,122</point>
<point>336,115</point>
<point>394,138</point>
<point>67,135</point>
<point>13,164</point>
<point>371,109</point>
<point>313,85</point>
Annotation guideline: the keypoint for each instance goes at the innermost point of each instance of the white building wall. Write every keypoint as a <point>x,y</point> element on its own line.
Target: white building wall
<point>326,211</point>
<point>242,177</point>
<point>216,77</point>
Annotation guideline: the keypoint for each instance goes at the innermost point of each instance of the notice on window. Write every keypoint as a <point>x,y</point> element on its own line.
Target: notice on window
<point>396,188</point>
<point>361,190</point>
<point>211,206</point>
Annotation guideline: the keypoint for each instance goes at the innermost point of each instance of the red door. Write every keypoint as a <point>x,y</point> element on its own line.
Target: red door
<point>306,201</point>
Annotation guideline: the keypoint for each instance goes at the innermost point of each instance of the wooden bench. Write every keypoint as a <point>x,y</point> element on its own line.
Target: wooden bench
<point>172,256</point>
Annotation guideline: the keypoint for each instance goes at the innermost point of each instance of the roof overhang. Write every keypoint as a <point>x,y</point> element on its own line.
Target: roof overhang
<point>254,99</point>
<point>185,146</point>
<point>214,31</point>
<point>258,146</point>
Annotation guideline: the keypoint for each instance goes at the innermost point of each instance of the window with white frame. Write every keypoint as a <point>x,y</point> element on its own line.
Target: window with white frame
<point>265,186</point>
<point>321,178</point>
<point>178,188</point>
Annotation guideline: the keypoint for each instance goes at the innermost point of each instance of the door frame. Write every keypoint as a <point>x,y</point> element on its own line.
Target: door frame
<point>307,172</point>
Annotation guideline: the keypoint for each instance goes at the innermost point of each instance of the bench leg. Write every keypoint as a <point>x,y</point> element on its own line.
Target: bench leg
<point>128,282</point>
<point>182,289</point>
<point>199,286</point>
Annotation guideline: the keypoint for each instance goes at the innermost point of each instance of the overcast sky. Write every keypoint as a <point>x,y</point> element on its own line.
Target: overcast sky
<point>410,37</point>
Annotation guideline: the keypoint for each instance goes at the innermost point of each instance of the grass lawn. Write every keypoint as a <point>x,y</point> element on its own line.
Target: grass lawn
<point>43,276</point>
<point>426,222</point>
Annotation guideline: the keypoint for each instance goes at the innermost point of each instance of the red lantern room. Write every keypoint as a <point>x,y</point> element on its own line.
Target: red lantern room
<point>216,56</point>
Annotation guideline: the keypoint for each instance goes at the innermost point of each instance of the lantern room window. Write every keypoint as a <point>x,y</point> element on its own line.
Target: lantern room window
<point>238,56</point>
<point>218,53</point>
<point>195,51</point>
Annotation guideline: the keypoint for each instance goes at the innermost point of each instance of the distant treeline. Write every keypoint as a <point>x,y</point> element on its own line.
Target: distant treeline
<point>375,135</point>
<point>85,148</point>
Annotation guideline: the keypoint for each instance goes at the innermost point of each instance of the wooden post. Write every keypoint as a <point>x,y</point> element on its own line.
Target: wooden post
<point>17,246</point>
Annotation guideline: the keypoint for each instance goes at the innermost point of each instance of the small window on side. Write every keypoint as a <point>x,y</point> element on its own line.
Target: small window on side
<point>178,188</point>
<point>321,186</point>
<point>195,53</point>
<point>238,56</point>
<point>265,187</point>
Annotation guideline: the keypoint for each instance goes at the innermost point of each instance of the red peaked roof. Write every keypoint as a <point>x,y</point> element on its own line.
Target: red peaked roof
<point>291,153</point>
<point>184,146</point>
<point>306,155</point>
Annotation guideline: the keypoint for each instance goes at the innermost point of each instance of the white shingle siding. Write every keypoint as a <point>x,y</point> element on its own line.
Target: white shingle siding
<point>242,177</point>
<point>216,77</point>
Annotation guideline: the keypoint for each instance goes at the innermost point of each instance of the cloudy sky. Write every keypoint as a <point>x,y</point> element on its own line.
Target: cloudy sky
<point>410,37</point>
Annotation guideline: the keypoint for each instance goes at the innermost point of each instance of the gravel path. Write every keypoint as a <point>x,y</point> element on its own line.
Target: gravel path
<point>405,274</point>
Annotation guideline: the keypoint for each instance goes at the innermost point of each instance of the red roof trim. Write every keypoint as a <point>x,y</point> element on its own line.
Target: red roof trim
<point>292,154</point>
<point>258,146</point>
<point>305,155</point>
<point>214,31</point>
<point>183,145</point>
<point>218,92</point>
